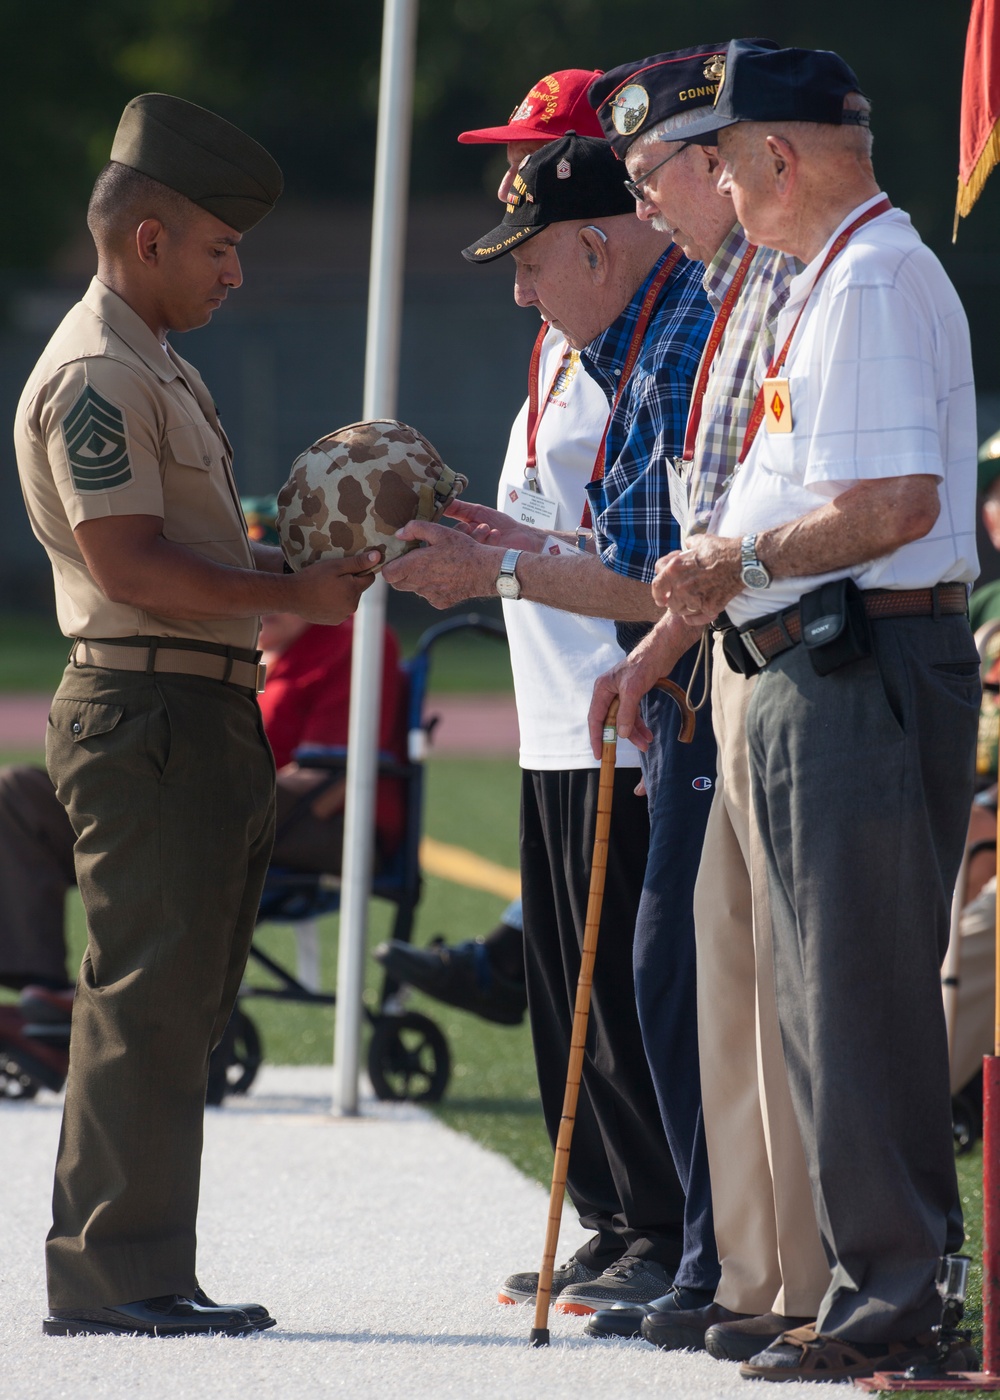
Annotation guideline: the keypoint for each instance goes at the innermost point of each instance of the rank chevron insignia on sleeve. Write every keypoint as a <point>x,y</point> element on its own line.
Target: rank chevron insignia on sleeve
<point>94,433</point>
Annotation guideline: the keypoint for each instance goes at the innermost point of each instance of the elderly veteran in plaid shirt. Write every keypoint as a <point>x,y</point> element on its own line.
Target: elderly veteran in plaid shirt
<point>621,301</point>
<point>774,1272</point>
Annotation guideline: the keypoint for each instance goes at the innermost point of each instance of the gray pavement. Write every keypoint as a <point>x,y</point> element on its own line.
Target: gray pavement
<point>377,1242</point>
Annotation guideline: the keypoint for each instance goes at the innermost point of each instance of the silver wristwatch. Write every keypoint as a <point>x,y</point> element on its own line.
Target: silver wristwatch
<point>753,573</point>
<point>507,584</point>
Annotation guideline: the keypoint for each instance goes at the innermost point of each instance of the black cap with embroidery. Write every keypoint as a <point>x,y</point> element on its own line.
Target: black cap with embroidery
<point>782,85</point>
<point>199,155</point>
<point>577,177</point>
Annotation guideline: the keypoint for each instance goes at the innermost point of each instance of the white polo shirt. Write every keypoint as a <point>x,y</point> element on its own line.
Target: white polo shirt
<point>557,656</point>
<point>880,381</point>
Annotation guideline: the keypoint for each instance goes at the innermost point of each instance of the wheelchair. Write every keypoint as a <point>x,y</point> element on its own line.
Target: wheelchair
<point>408,1056</point>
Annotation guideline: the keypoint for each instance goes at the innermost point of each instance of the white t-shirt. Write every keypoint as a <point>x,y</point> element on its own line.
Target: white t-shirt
<point>556,656</point>
<point>880,381</point>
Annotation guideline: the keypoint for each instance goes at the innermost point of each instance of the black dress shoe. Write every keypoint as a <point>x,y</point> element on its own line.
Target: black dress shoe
<point>739,1341</point>
<point>621,1320</point>
<point>625,1319</point>
<point>462,976</point>
<point>683,1329</point>
<point>256,1312</point>
<point>170,1316</point>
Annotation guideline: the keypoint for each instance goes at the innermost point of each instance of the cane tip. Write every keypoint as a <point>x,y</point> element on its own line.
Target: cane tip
<point>539,1337</point>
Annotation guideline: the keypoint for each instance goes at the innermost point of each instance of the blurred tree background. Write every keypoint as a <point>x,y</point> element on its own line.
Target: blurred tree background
<point>303,75</point>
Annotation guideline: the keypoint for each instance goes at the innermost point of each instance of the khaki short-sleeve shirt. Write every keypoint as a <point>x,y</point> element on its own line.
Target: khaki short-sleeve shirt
<point>111,422</point>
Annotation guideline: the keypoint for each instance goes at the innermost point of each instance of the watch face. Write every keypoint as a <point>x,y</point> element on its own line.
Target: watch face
<point>508,586</point>
<point>755,576</point>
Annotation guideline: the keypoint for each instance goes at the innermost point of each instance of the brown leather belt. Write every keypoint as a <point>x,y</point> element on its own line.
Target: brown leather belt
<point>783,630</point>
<point>154,657</point>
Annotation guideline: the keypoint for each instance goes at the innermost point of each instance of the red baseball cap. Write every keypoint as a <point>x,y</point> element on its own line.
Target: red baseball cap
<point>555,105</point>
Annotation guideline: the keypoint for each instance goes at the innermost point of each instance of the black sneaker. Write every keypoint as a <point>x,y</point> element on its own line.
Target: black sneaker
<point>461,976</point>
<point>629,1282</point>
<point>521,1288</point>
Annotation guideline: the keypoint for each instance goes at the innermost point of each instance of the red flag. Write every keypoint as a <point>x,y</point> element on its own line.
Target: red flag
<point>979,143</point>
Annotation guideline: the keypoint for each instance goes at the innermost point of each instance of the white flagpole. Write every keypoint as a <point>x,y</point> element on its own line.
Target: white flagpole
<point>385,309</point>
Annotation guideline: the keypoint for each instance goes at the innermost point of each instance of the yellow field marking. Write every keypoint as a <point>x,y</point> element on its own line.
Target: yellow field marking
<point>463,867</point>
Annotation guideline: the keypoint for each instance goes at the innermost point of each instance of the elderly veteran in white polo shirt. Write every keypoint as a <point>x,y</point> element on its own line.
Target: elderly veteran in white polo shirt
<point>841,554</point>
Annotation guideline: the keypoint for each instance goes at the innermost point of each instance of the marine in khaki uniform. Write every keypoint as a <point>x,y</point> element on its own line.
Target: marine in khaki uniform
<point>155,743</point>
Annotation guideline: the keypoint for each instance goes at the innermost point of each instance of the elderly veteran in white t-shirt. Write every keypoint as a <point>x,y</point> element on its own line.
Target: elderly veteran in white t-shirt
<point>841,555</point>
<point>622,1178</point>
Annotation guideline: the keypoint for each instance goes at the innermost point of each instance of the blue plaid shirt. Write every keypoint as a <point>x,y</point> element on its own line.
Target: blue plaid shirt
<point>633,525</point>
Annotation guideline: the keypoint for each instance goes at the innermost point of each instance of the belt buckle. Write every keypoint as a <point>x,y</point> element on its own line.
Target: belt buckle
<point>758,656</point>
<point>261,677</point>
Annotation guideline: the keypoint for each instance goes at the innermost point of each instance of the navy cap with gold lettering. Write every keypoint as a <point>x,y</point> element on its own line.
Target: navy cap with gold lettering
<point>781,85</point>
<point>575,178</point>
<point>634,97</point>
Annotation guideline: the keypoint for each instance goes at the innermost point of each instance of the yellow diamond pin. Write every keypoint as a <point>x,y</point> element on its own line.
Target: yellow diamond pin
<point>777,406</point>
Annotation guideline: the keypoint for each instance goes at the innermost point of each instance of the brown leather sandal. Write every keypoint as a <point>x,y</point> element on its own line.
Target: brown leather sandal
<point>833,1359</point>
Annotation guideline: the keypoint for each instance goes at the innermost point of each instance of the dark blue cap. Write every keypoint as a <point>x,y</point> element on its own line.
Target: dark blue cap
<point>634,97</point>
<point>781,85</point>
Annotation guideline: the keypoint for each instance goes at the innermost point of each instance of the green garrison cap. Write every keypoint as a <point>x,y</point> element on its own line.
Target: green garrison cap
<point>201,156</point>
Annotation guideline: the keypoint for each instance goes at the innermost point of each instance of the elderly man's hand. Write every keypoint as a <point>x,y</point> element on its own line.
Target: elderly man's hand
<point>635,675</point>
<point>488,526</point>
<point>452,569</point>
<point>696,583</point>
<point>630,680</point>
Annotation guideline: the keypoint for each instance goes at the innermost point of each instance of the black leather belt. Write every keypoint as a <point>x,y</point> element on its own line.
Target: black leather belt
<point>767,637</point>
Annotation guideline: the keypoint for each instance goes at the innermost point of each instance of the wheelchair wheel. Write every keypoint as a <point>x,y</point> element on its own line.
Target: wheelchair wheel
<point>235,1060</point>
<point>408,1058</point>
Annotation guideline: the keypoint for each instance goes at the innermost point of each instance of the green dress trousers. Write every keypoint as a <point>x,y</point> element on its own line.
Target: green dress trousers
<point>168,783</point>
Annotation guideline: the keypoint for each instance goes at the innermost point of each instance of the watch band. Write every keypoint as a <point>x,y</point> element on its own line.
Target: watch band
<point>753,573</point>
<point>507,584</point>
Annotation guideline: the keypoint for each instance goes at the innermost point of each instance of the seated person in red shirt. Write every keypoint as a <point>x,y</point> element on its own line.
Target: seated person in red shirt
<point>306,701</point>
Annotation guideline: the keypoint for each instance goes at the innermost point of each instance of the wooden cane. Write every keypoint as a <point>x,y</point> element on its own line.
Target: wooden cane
<point>581,1015</point>
<point>581,1011</point>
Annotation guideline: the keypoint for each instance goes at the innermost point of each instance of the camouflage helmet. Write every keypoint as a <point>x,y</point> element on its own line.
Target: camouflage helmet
<point>354,488</point>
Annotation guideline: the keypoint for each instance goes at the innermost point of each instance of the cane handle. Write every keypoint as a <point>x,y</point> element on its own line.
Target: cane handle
<point>679,697</point>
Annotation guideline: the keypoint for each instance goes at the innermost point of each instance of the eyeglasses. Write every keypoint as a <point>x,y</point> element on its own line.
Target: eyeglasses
<point>636,187</point>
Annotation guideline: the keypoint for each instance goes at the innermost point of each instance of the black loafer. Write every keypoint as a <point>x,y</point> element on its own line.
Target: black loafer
<point>256,1312</point>
<point>170,1316</point>
<point>680,1324</point>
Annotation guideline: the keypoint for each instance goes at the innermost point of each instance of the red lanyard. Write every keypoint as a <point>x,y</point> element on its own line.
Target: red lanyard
<point>632,354</point>
<point>635,345</point>
<point>838,246</point>
<point>534,410</point>
<point>712,349</point>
